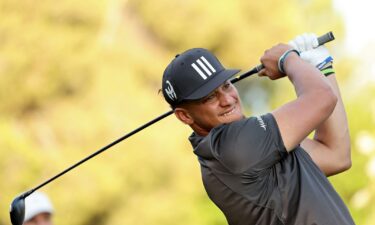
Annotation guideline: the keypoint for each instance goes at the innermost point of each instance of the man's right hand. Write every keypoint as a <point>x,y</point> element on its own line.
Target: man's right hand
<point>270,61</point>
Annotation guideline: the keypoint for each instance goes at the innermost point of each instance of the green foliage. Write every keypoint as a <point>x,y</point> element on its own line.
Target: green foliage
<point>74,75</point>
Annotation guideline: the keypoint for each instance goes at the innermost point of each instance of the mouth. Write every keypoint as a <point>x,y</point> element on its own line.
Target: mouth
<point>230,112</point>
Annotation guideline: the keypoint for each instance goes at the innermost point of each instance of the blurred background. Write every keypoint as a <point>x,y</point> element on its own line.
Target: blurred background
<point>75,75</point>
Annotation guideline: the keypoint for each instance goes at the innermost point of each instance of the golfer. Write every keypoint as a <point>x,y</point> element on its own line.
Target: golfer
<point>265,169</point>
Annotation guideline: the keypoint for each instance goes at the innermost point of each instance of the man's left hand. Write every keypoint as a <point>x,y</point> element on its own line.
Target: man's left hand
<point>307,45</point>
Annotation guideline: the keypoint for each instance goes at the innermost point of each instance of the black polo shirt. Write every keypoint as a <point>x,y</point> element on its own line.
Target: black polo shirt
<point>250,176</point>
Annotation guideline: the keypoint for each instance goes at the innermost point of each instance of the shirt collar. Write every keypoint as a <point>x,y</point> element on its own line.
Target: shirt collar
<point>201,145</point>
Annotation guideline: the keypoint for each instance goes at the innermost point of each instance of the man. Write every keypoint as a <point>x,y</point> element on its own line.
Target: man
<point>264,169</point>
<point>38,210</point>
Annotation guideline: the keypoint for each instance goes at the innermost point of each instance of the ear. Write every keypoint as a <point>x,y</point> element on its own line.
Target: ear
<point>184,116</point>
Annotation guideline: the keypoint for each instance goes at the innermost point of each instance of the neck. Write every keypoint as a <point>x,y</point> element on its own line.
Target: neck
<point>200,131</point>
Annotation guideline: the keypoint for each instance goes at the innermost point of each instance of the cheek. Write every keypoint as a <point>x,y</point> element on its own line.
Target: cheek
<point>235,95</point>
<point>205,115</point>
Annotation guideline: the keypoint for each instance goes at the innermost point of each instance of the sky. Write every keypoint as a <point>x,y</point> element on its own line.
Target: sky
<point>358,15</point>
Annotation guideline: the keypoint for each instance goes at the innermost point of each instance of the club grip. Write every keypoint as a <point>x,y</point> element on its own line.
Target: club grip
<point>326,38</point>
<point>321,41</point>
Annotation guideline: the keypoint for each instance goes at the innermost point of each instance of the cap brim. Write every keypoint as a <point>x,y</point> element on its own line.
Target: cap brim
<point>212,84</point>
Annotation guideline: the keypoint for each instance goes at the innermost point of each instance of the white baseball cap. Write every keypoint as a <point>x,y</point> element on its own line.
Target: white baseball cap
<point>37,203</point>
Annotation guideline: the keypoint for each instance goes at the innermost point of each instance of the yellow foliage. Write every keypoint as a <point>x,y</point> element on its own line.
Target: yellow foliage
<point>75,75</point>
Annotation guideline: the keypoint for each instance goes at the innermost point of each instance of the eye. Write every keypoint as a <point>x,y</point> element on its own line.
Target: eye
<point>226,85</point>
<point>209,98</point>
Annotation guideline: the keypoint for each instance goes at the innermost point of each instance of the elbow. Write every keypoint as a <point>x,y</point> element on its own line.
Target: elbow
<point>339,166</point>
<point>345,162</point>
<point>346,165</point>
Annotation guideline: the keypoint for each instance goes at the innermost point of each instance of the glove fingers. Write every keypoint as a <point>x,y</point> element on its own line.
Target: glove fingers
<point>293,44</point>
<point>310,41</point>
<point>300,42</point>
<point>314,40</point>
<point>306,41</point>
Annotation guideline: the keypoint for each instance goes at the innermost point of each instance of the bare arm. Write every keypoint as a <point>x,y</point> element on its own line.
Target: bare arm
<point>315,98</point>
<point>330,148</point>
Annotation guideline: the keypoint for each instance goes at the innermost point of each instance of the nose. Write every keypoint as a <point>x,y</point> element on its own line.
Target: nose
<point>225,99</point>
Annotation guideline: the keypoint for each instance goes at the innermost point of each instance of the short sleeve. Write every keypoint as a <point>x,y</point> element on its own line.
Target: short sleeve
<point>251,143</point>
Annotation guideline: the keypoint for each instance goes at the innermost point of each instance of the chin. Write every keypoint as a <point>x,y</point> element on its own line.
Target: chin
<point>237,117</point>
<point>233,117</point>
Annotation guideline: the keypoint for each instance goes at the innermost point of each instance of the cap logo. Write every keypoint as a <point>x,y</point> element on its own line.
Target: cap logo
<point>205,69</point>
<point>170,91</point>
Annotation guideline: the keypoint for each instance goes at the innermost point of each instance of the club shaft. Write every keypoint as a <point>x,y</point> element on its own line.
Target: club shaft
<point>100,151</point>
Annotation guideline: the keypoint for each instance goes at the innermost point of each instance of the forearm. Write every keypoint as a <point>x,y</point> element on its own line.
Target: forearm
<point>334,132</point>
<point>306,79</point>
<point>314,104</point>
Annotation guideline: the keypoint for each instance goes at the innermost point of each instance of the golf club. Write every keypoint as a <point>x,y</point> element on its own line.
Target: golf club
<point>17,207</point>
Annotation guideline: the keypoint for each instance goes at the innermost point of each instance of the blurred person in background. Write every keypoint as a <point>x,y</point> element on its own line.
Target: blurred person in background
<point>38,210</point>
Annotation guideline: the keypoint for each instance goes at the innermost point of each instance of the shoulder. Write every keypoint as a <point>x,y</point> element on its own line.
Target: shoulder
<point>244,143</point>
<point>248,127</point>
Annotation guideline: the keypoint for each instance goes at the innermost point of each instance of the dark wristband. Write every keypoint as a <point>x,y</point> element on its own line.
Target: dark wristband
<point>328,71</point>
<point>283,57</point>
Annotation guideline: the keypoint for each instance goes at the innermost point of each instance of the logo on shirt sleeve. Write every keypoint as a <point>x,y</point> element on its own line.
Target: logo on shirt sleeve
<point>261,122</point>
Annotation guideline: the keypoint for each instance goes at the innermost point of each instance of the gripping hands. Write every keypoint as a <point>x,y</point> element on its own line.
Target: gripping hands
<point>311,52</point>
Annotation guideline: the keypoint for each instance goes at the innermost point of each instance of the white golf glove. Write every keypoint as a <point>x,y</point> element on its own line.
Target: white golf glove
<point>310,51</point>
